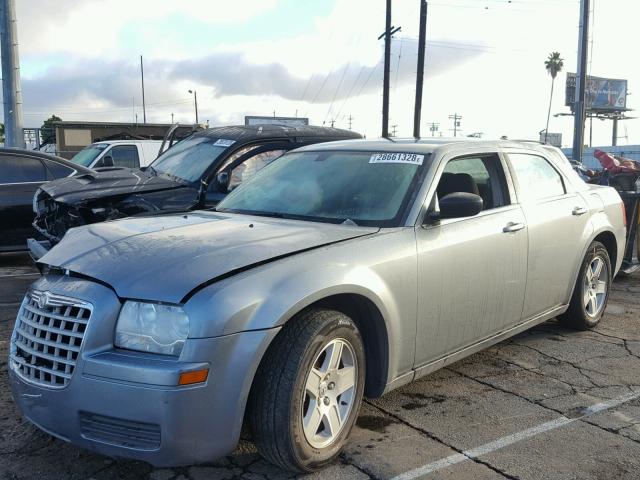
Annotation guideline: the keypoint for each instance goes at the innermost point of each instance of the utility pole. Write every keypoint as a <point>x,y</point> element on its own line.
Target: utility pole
<point>172,119</point>
<point>389,30</point>
<point>333,122</point>
<point>456,123</point>
<point>350,121</point>
<point>420,75</point>
<point>433,128</point>
<point>394,127</point>
<point>144,107</point>
<point>11,90</point>
<point>195,102</point>
<point>579,109</point>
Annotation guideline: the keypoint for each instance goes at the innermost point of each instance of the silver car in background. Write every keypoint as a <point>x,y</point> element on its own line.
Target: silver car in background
<point>340,270</point>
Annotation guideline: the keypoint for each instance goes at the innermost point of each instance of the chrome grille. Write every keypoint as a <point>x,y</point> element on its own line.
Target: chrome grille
<point>47,338</point>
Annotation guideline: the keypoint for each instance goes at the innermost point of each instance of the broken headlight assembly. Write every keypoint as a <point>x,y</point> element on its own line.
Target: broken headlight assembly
<point>152,327</point>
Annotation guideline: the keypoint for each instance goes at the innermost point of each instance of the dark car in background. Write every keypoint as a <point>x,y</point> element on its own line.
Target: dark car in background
<point>196,173</point>
<point>22,172</point>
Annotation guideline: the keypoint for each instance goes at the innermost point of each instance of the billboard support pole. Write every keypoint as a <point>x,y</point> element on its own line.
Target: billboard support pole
<point>614,135</point>
<point>581,80</point>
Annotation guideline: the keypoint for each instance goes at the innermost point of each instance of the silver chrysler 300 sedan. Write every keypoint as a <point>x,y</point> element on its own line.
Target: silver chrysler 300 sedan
<point>340,270</point>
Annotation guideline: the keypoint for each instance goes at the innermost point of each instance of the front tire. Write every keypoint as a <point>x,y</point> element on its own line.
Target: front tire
<point>308,390</point>
<point>591,292</point>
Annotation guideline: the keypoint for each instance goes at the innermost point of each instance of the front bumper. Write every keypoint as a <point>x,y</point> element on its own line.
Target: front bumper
<point>127,404</point>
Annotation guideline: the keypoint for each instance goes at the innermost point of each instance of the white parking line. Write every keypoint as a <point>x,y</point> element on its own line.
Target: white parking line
<point>513,438</point>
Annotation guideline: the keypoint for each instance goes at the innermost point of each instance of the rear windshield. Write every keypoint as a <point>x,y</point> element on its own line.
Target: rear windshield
<point>366,188</point>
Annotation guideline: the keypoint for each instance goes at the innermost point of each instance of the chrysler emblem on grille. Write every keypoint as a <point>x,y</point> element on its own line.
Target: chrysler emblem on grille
<point>43,300</point>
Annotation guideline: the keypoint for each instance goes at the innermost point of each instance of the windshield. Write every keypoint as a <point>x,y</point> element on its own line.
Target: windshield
<point>189,159</point>
<point>87,155</point>
<point>363,187</point>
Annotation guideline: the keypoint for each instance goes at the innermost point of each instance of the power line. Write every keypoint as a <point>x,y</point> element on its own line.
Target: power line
<point>395,83</point>
<point>335,94</point>
<point>348,96</point>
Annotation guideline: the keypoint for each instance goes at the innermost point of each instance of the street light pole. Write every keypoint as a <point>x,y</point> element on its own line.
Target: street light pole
<point>195,102</point>
<point>144,105</point>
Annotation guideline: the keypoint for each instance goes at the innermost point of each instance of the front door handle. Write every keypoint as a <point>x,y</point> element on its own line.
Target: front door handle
<point>579,211</point>
<point>513,227</point>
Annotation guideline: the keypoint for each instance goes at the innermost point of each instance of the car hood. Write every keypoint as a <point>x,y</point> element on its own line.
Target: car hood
<point>164,258</point>
<point>107,183</point>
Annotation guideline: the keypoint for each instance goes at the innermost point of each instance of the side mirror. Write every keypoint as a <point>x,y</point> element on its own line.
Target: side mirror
<point>107,161</point>
<point>459,204</point>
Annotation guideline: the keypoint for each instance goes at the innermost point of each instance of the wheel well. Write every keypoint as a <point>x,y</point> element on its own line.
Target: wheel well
<point>374,335</point>
<point>369,320</point>
<point>608,239</point>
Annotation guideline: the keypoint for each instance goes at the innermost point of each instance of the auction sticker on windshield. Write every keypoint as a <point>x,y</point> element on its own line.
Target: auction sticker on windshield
<point>223,142</point>
<point>410,158</point>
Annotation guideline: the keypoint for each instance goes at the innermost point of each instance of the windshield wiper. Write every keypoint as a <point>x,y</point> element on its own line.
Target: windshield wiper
<point>260,213</point>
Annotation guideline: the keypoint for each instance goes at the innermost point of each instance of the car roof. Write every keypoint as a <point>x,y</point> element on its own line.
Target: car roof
<point>257,132</point>
<point>424,145</point>
<point>45,156</point>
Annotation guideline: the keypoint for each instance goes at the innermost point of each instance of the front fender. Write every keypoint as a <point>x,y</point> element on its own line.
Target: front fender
<point>268,296</point>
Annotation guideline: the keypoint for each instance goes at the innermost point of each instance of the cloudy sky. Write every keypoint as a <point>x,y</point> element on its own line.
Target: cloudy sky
<point>318,58</point>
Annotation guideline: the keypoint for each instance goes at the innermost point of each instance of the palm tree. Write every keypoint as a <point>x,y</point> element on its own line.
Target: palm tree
<point>553,64</point>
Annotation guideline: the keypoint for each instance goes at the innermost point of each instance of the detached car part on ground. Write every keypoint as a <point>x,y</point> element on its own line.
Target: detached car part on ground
<point>195,173</point>
<point>339,270</point>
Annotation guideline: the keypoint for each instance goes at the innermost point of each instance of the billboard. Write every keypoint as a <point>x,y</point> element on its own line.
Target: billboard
<point>290,121</point>
<point>601,94</point>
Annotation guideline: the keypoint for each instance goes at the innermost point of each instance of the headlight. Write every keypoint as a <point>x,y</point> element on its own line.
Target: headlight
<point>152,327</point>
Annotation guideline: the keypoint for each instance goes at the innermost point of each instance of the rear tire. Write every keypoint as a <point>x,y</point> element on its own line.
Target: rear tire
<point>308,390</point>
<point>591,292</point>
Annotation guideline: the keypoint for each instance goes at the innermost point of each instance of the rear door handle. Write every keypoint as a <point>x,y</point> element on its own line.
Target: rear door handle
<point>579,211</point>
<point>513,227</point>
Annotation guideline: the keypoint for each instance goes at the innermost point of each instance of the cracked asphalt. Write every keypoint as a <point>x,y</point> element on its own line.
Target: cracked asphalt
<point>544,375</point>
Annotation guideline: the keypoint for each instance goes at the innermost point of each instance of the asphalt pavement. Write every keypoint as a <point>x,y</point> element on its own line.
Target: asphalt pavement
<point>551,403</point>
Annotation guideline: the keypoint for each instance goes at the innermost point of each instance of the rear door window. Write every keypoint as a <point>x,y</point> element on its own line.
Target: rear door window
<point>19,169</point>
<point>57,170</point>
<point>537,179</point>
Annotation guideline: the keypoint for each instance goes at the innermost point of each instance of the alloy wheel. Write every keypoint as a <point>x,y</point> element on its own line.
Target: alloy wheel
<point>329,393</point>
<point>595,286</point>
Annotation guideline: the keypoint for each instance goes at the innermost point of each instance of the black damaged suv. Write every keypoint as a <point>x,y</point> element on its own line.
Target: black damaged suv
<point>195,173</point>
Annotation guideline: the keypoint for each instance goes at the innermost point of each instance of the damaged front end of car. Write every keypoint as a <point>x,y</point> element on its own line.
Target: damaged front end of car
<point>55,216</point>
